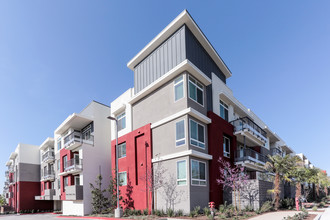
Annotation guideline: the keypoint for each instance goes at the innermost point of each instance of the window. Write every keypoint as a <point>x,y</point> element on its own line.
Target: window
<point>179,133</point>
<point>65,161</point>
<point>66,182</point>
<point>58,164</point>
<point>59,184</point>
<point>178,88</point>
<point>123,178</point>
<point>77,180</point>
<point>52,185</point>
<point>198,173</point>
<point>181,172</point>
<point>59,144</point>
<point>42,187</point>
<point>196,91</point>
<point>226,147</point>
<point>87,131</point>
<point>197,134</point>
<point>122,150</point>
<point>223,110</point>
<point>121,120</point>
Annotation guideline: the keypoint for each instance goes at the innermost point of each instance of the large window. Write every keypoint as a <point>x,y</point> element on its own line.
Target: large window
<point>223,110</point>
<point>77,180</point>
<point>197,134</point>
<point>121,119</point>
<point>123,178</point>
<point>179,133</point>
<point>65,161</point>
<point>66,182</point>
<point>122,150</point>
<point>226,146</point>
<point>178,88</point>
<point>58,164</point>
<point>196,91</point>
<point>198,171</point>
<point>59,144</point>
<point>181,172</point>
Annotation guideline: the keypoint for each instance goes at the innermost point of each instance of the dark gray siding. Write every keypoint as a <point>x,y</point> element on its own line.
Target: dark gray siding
<point>161,60</point>
<point>200,58</point>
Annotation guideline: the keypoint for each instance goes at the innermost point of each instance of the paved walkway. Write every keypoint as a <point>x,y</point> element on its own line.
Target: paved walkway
<point>326,215</point>
<point>275,215</point>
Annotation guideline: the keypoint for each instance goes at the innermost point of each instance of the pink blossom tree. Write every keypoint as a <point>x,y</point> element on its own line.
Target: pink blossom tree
<point>233,177</point>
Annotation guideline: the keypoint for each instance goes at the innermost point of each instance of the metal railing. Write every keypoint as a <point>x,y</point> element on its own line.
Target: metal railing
<point>249,154</point>
<point>48,155</point>
<point>7,173</point>
<point>76,136</point>
<point>275,151</point>
<point>11,169</point>
<point>73,164</point>
<point>241,124</point>
<point>48,174</point>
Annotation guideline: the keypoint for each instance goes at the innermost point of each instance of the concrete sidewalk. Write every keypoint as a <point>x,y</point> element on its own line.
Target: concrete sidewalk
<point>281,214</point>
<point>326,214</point>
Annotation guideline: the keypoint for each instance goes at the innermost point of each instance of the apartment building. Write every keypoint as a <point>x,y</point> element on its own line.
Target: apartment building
<point>181,114</point>
<point>79,151</point>
<point>24,179</point>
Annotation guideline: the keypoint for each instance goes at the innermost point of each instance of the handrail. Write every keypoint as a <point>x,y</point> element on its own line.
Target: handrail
<point>245,122</point>
<point>77,136</point>
<point>275,151</point>
<point>73,163</point>
<point>47,155</point>
<point>249,154</point>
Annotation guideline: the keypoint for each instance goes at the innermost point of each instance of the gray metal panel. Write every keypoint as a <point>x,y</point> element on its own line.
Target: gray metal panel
<point>198,56</point>
<point>169,54</point>
<point>29,172</point>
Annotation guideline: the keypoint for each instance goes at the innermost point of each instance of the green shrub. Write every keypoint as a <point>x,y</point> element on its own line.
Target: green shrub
<point>145,212</point>
<point>266,207</point>
<point>179,212</point>
<point>126,212</point>
<point>131,212</point>
<point>158,213</point>
<point>138,212</point>
<point>191,214</point>
<point>162,213</point>
<point>287,203</point>
<point>248,208</point>
<point>322,204</point>
<point>314,208</point>
<point>197,210</point>
<point>170,212</point>
<point>223,207</point>
<point>206,211</point>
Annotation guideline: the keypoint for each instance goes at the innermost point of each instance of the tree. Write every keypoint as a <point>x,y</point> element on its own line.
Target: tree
<point>2,200</point>
<point>100,203</point>
<point>233,177</point>
<point>128,201</point>
<point>172,195</point>
<point>313,178</point>
<point>282,167</point>
<point>154,179</point>
<point>112,189</point>
<point>298,175</point>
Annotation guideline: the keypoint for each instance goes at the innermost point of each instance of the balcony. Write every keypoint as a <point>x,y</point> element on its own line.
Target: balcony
<point>49,193</point>
<point>276,151</point>
<point>6,183</point>
<point>11,169</point>
<point>74,192</point>
<point>48,175</point>
<point>245,127</point>
<point>250,159</point>
<point>48,156</point>
<point>76,139</point>
<point>72,166</point>
<point>7,173</point>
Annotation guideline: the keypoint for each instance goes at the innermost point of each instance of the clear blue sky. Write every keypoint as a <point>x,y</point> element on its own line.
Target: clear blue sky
<point>57,56</point>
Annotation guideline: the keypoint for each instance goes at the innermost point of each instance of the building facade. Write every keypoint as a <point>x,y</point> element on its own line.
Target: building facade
<point>175,123</point>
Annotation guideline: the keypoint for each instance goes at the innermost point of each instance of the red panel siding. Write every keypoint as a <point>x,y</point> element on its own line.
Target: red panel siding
<point>136,163</point>
<point>216,130</point>
<point>69,154</point>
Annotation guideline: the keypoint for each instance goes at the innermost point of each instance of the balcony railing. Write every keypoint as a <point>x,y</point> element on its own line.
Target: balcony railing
<point>75,139</point>
<point>275,151</point>
<point>245,123</point>
<point>250,155</point>
<point>11,169</point>
<point>48,174</point>
<point>74,192</point>
<point>48,156</point>
<point>74,164</point>
<point>7,173</point>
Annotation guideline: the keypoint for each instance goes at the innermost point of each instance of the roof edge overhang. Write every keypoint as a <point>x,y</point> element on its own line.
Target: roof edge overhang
<point>183,18</point>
